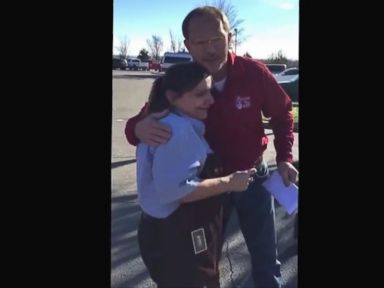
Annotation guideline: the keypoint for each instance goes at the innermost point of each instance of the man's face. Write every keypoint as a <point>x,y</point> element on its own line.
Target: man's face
<point>195,103</point>
<point>208,42</point>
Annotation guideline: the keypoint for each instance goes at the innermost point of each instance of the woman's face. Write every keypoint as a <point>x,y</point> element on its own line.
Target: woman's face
<point>195,103</point>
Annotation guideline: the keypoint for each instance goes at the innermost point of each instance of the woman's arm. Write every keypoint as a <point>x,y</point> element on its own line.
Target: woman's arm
<point>235,182</point>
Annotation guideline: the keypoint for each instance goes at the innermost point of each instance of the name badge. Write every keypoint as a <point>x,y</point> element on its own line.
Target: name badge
<point>199,241</point>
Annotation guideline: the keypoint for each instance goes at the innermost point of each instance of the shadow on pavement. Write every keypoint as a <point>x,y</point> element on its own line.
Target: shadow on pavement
<point>287,250</point>
<point>122,163</point>
<point>125,252</point>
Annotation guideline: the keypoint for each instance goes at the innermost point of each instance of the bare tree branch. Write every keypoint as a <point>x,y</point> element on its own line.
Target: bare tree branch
<point>156,46</point>
<point>123,48</point>
<point>233,19</point>
<point>173,42</point>
<point>180,46</point>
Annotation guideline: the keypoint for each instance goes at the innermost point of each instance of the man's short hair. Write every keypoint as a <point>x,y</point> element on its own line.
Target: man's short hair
<point>203,11</point>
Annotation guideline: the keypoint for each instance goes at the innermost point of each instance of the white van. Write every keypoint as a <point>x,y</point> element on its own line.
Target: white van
<point>136,64</point>
<point>171,58</point>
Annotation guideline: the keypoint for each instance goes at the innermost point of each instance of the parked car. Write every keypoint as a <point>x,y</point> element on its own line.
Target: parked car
<point>118,63</point>
<point>154,65</point>
<point>276,68</point>
<point>291,87</point>
<point>137,64</point>
<point>144,65</point>
<point>290,71</point>
<point>171,58</point>
<point>133,63</point>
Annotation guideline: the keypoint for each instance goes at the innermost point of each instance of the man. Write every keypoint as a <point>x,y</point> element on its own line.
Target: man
<point>243,89</point>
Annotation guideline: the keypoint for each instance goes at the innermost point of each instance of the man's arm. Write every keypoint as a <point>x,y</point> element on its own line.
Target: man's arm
<point>278,106</point>
<point>146,128</point>
<point>130,126</point>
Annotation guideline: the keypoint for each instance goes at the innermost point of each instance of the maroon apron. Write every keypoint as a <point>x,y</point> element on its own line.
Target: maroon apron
<point>183,250</point>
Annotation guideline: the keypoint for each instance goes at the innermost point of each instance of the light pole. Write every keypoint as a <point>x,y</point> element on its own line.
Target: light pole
<point>235,39</point>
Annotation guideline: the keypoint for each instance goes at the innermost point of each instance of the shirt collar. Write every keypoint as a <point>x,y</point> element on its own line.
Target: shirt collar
<point>231,77</point>
<point>231,59</point>
<point>235,70</point>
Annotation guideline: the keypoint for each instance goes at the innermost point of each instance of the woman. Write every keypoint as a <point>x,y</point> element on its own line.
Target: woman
<point>180,230</point>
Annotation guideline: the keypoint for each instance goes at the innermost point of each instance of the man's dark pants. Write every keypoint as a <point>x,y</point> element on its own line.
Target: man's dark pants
<point>256,214</point>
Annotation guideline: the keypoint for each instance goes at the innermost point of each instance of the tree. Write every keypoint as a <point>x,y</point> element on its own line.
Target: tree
<point>180,46</point>
<point>247,55</point>
<point>156,46</point>
<point>123,48</point>
<point>173,42</point>
<point>143,55</point>
<point>180,43</point>
<point>278,58</point>
<point>237,32</point>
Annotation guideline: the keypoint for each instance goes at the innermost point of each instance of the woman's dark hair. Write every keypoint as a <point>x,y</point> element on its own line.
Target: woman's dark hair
<point>179,78</point>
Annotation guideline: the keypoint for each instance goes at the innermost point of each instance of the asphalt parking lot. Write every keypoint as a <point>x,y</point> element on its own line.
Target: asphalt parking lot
<point>130,91</point>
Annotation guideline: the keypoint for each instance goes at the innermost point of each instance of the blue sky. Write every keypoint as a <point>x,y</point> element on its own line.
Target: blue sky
<point>270,25</point>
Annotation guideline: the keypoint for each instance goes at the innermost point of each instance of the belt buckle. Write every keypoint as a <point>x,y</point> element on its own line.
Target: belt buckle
<point>258,161</point>
<point>261,171</point>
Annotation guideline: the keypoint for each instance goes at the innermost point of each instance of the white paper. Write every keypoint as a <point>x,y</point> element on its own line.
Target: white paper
<point>287,196</point>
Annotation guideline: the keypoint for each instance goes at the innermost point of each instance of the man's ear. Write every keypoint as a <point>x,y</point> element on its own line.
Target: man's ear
<point>171,96</point>
<point>186,44</point>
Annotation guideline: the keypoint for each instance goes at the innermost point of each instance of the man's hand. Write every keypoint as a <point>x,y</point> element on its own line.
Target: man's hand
<point>288,172</point>
<point>151,132</point>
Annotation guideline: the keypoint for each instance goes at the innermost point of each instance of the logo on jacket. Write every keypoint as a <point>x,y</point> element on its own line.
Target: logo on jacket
<point>243,102</point>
